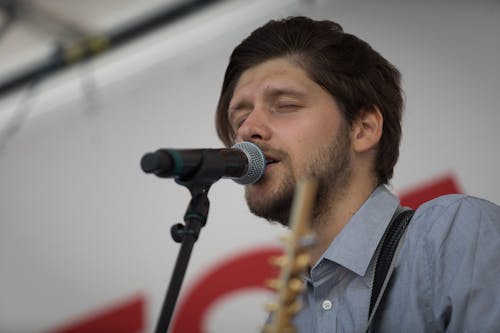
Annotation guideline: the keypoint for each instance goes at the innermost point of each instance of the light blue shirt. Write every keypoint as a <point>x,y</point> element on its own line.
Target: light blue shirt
<point>446,278</point>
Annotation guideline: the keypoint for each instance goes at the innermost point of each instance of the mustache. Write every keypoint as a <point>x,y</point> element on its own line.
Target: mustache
<point>277,154</point>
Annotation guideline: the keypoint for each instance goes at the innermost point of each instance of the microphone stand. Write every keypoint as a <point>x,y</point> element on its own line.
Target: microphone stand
<point>211,170</point>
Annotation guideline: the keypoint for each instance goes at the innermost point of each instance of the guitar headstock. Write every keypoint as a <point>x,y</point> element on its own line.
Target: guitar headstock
<point>294,262</point>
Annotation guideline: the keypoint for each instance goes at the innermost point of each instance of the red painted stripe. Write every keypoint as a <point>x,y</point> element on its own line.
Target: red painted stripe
<point>429,190</point>
<point>248,270</point>
<point>126,317</point>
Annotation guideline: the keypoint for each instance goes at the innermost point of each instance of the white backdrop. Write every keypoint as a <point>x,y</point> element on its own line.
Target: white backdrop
<point>82,229</point>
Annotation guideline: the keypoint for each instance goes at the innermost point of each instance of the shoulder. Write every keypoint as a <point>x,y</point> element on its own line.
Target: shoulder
<point>457,210</point>
<point>448,268</point>
<point>457,201</point>
<point>454,224</point>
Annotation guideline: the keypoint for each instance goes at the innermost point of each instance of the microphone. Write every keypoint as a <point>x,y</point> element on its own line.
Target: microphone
<point>244,162</point>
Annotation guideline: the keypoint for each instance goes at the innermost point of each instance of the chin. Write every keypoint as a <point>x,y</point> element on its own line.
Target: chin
<point>272,205</point>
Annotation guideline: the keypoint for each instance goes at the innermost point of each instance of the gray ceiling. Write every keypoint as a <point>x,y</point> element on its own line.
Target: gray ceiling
<point>30,30</point>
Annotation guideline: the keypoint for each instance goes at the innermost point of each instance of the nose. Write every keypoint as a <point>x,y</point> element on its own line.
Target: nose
<point>255,127</point>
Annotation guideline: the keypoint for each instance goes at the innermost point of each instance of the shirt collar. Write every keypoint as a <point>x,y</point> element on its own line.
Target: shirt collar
<point>356,244</point>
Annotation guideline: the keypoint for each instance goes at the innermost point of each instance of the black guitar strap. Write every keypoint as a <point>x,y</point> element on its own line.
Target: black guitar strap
<point>390,244</point>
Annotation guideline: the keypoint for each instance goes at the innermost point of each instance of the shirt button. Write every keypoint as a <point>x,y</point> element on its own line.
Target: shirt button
<point>326,305</point>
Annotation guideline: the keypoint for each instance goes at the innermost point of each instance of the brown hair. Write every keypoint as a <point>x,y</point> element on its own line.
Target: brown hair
<point>357,76</point>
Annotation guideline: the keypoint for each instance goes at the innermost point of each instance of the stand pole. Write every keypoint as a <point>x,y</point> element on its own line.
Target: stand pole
<point>176,281</point>
<point>187,234</point>
<point>195,218</point>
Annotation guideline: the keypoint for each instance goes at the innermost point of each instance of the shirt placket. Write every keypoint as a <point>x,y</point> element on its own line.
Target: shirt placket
<point>324,300</point>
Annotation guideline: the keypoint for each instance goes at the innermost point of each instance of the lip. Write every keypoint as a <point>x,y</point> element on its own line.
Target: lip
<point>271,165</point>
<point>270,160</point>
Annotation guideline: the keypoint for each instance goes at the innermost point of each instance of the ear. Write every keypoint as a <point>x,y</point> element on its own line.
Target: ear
<point>366,130</point>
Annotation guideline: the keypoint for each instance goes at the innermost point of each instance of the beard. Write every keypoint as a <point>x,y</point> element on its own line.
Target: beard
<point>330,166</point>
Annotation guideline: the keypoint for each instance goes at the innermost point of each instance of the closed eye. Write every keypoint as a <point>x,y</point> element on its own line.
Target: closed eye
<point>288,106</point>
<point>286,103</point>
<point>238,123</point>
<point>283,108</point>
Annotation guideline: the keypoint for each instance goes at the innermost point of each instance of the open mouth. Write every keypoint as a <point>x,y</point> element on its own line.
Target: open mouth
<point>270,160</point>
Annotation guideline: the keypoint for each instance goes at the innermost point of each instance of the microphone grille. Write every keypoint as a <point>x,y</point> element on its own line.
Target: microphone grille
<point>256,163</point>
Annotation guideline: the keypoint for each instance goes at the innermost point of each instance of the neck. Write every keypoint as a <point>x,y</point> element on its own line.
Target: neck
<point>344,204</point>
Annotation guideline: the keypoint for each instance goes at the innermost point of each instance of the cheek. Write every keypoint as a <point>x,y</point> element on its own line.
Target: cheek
<point>306,134</point>
<point>315,134</point>
<point>309,141</point>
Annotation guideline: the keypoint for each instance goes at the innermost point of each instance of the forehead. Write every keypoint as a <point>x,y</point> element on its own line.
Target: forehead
<point>275,74</point>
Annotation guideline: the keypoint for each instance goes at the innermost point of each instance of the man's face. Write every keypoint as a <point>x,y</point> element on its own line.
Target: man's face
<point>300,129</point>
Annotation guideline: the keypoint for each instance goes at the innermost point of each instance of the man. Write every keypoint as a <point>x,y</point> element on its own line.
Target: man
<point>322,103</point>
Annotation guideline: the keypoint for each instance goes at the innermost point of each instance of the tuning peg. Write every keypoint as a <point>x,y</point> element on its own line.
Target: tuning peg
<point>293,308</point>
<point>274,284</point>
<point>279,261</point>
<point>271,306</point>
<point>301,262</point>
<point>296,285</point>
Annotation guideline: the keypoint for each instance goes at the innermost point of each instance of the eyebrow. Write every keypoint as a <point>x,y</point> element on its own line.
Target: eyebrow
<point>275,92</point>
